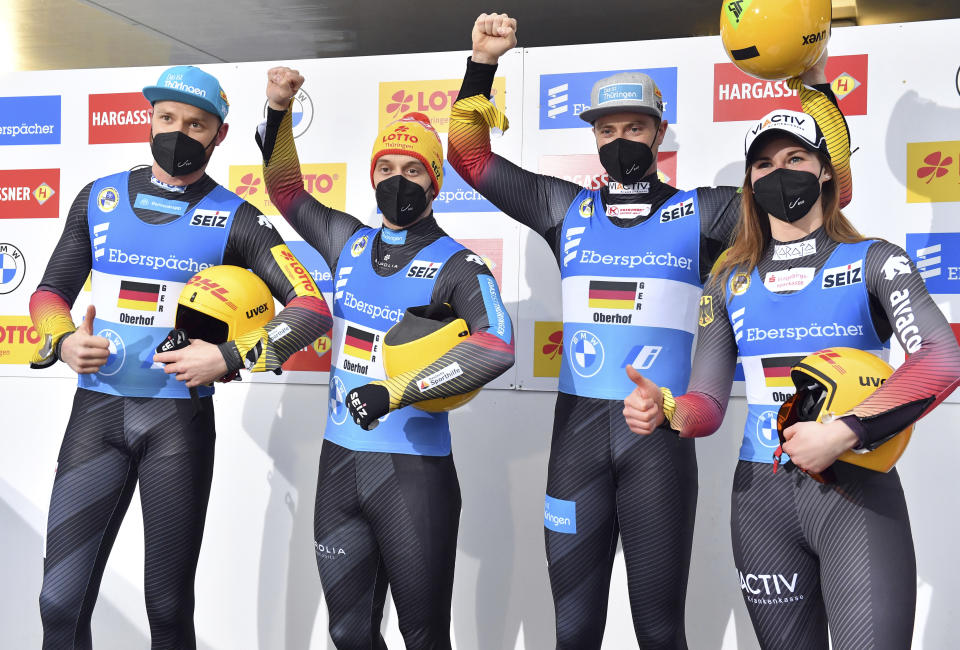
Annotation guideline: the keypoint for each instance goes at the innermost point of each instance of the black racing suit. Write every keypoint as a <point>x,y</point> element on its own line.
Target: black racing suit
<point>808,555</point>
<point>642,489</point>
<point>387,517</point>
<point>112,442</point>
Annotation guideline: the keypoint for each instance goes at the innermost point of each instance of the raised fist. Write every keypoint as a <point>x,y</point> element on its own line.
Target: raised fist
<point>282,84</point>
<point>493,35</point>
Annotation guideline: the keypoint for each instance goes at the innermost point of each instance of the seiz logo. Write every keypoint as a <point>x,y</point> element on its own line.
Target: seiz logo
<point>209,218</point>
<point>841,276</point>
<point>908,333</point>
<point>423,269</point>
<point>677,210</point>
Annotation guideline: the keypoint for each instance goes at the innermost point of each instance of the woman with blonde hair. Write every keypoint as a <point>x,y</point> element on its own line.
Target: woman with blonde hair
<point>800,278</point>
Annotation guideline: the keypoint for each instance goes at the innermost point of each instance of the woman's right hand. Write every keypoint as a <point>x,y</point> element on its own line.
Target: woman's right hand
<point>282,84</point>
<point>82,351</point>
<point>643,408</point>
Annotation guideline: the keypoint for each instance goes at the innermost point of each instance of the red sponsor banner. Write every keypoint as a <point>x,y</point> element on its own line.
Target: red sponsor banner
<point>313,358</point>
<point>737,96</point>
<point>491,252</point>
<point>119,117</point>
<point>956,330</point>
<point>586,170</point>
<point>29,193</point>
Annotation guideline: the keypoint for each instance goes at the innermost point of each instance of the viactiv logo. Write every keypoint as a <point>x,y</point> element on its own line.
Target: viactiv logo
<point>30,120</point>
<point>564,96</point>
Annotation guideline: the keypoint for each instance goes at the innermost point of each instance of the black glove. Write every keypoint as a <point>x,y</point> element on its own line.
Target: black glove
<point>367,403</point>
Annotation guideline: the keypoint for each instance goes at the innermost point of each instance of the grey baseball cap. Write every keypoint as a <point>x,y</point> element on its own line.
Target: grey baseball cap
<point>624,91</point>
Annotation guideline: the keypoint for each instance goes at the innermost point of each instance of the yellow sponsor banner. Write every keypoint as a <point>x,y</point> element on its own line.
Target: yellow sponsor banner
<point>18,339</point>
<point>547,348</point>
<point>326,182</point>
<point>432,98</point>
<point>933,171</point>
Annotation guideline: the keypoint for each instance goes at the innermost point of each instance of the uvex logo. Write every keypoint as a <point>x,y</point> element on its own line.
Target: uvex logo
<point>256,311</point>
<point>871,381</point>
<point>810,39</point>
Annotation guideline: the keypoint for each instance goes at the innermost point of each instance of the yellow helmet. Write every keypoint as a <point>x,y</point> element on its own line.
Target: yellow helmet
<point>223,302</point>
<point>422,336</point>
<point>775,39</point>
<point>830,383</point>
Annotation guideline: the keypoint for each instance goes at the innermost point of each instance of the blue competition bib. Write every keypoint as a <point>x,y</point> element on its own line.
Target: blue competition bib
<point>775,331</point>
<point>138,272</point>
<point>630,295</point>
<point>365,306</point>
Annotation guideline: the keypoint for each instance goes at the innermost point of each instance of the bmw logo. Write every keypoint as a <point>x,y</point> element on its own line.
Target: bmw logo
<point>338,401</point>
<point>586,353</point>
<point>118,353</point>
<point>767,430</point>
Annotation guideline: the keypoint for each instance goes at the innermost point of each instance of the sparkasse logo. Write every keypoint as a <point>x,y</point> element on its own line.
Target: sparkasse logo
<point>118,117</point>
<point>738,96</point>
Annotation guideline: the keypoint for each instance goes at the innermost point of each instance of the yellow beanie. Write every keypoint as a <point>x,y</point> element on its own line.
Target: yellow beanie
<point>411,135</point>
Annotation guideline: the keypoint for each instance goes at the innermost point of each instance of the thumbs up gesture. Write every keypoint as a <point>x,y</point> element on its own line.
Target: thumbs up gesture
<point>643,408</point>
<point>82,351</point>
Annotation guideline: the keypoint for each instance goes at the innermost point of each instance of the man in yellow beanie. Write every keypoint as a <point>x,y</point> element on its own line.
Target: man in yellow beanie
<point>388,500</point>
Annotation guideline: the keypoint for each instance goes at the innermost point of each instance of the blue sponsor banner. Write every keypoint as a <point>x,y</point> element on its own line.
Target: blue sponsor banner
<point>30,120</point>
<point>456,195</point>
<point>159,204</point>
<point>497,315</point>
<point>564,96</point>
<point>314,264</point>
<point>560,515</point>
<point>937,256</point>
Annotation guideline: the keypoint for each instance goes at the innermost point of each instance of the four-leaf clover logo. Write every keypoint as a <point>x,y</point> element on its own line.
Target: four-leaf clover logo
<point>555,346</point>
<point>248,185</point>
<point>401,102</point>
<point>939,165</point>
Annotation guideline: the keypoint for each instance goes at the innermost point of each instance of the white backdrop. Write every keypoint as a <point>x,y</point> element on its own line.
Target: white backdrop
<point>257,585</point>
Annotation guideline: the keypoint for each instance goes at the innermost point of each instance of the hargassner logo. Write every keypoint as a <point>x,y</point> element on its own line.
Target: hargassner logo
<point>118,117</point>
<point>563,97</point>
<point>30,120</point>
<point>738,96</point>
<point>29,193</point>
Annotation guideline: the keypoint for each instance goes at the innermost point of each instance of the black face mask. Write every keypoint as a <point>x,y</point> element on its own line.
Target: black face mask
<point>787,194</point>
<point>626,161</point>
<point>400,200</point>
<point>178,154</point>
